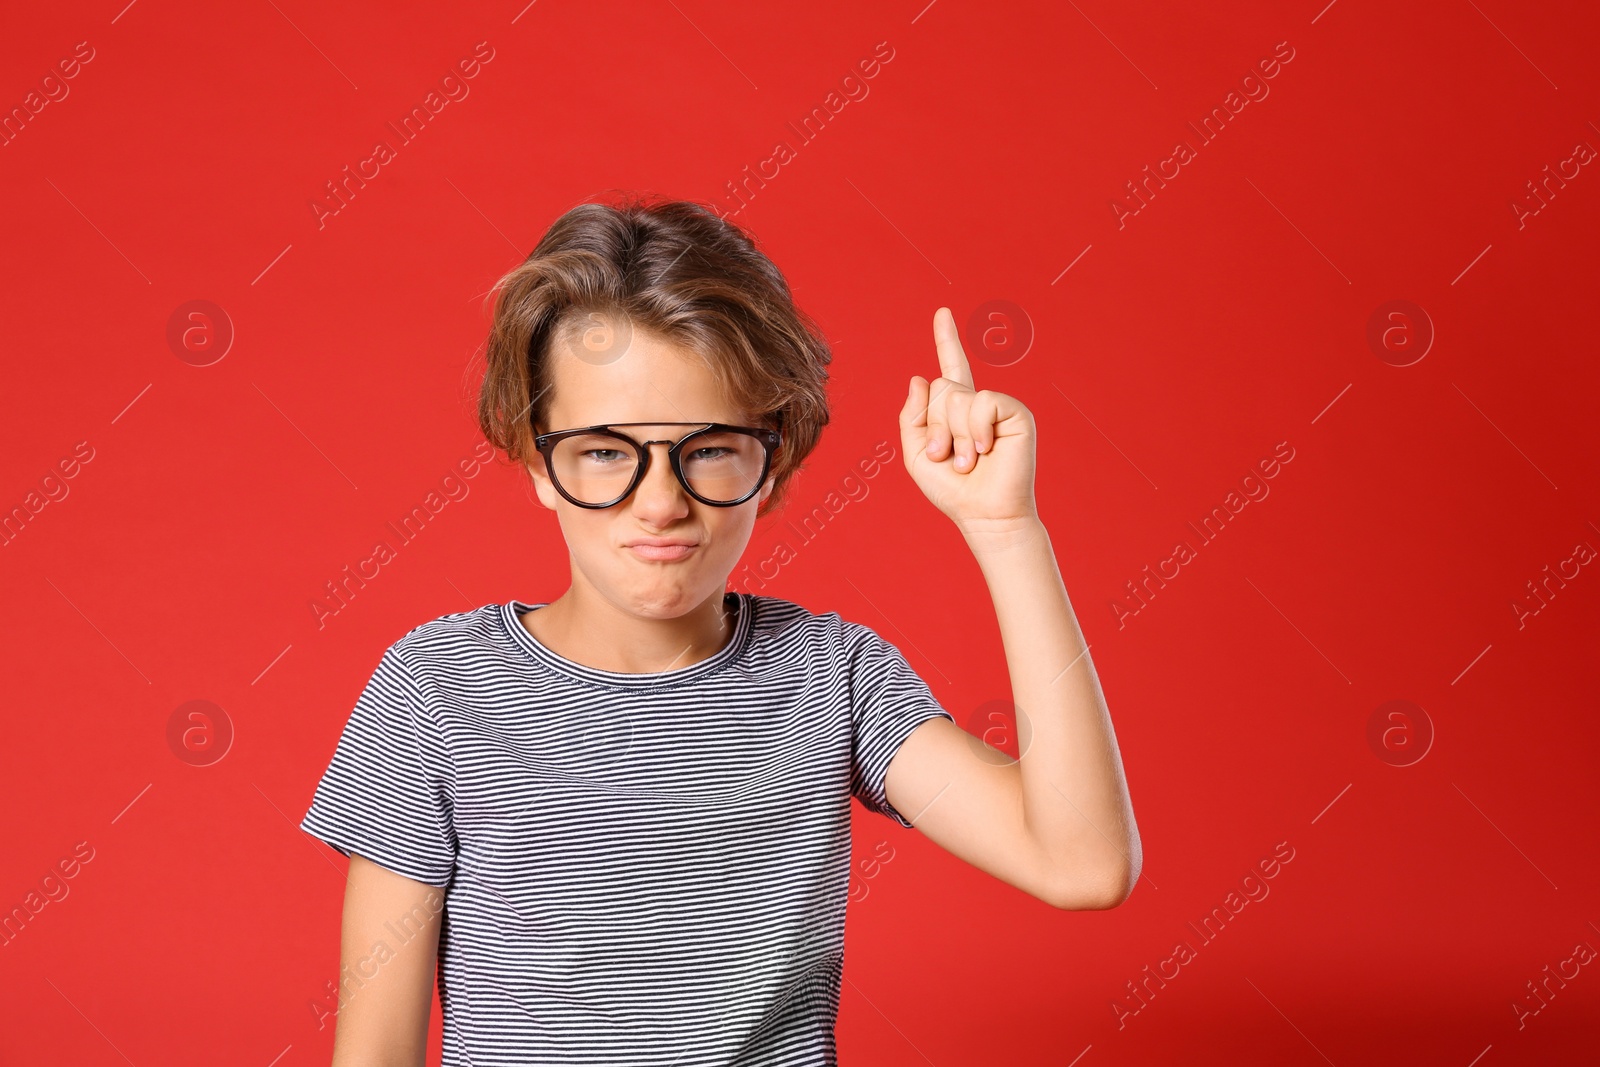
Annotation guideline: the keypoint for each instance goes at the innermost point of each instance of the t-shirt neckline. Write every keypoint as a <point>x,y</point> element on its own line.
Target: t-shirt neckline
<point>510,617</point>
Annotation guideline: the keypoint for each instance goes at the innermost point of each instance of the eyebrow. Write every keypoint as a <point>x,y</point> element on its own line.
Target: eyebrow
<point>625,433</point>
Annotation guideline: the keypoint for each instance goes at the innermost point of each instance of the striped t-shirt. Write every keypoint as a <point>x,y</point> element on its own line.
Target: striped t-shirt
<point>638,868</point>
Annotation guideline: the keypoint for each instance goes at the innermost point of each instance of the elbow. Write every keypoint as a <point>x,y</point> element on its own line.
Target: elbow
<point>1094,877</point>
<point>1119,886</point>
<point>1106,890</point>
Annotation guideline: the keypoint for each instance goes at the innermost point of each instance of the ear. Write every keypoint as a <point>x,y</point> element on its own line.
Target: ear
<point>541,481</point>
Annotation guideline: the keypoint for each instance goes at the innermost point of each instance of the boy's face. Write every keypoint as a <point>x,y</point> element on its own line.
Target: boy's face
<point>651,380</point>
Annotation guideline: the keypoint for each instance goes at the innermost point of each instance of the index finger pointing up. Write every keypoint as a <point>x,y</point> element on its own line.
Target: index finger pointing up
<point>952,359</point>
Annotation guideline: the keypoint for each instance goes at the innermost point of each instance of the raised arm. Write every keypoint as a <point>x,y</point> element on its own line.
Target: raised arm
<point>1059,823</point>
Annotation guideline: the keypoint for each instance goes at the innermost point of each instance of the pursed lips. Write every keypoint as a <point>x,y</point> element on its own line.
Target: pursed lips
<point>662,549</point>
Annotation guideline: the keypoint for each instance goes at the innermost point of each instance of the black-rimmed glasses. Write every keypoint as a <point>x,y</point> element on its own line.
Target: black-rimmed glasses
<point>717,464</point>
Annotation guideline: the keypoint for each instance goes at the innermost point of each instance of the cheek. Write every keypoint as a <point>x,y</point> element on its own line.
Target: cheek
<point>587,533</point>
<point>731,533</point>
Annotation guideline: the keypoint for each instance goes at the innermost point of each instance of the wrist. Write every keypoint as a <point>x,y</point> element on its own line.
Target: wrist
<point>988,535</point>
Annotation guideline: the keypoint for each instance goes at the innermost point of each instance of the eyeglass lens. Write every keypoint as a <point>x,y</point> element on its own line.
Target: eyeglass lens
<point>720,466</point>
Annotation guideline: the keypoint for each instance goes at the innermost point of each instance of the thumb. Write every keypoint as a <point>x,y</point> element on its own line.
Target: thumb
<point>914,418</point>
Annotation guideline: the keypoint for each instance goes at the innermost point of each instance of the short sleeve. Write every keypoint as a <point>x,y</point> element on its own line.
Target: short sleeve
<point>386,794</point>
<point>888,700</point>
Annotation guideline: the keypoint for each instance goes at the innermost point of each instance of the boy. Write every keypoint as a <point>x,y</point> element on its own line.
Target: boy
<point>617,824</point>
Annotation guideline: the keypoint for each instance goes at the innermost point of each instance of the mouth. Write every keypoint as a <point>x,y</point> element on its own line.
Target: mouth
<point>662,553</point>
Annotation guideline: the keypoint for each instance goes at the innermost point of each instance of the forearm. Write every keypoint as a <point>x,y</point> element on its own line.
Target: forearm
<point>1075,796</point>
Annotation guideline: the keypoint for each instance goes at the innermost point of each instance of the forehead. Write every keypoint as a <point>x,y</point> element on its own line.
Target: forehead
<point>601,373</point>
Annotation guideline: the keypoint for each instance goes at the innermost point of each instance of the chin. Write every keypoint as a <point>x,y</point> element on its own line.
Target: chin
<point>667,596</point>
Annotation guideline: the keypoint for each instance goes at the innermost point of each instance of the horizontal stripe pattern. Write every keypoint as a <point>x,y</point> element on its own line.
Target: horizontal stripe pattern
<point>639,868</point>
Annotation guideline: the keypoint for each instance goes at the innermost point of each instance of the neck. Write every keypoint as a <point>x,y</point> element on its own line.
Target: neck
<point>587,628</point>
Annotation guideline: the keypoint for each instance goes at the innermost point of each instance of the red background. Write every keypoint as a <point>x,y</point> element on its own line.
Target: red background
<point>1228,315</point>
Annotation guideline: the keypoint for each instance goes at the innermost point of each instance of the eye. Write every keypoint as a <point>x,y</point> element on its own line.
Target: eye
<point>601,455</point>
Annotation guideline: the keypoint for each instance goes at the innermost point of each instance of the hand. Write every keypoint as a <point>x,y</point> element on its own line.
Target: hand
<point>971,453</point>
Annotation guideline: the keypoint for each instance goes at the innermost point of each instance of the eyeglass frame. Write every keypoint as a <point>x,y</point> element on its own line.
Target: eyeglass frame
<point>769,439</point>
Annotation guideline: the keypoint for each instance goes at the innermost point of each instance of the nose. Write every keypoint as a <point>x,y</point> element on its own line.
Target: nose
<point>659,499</point>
